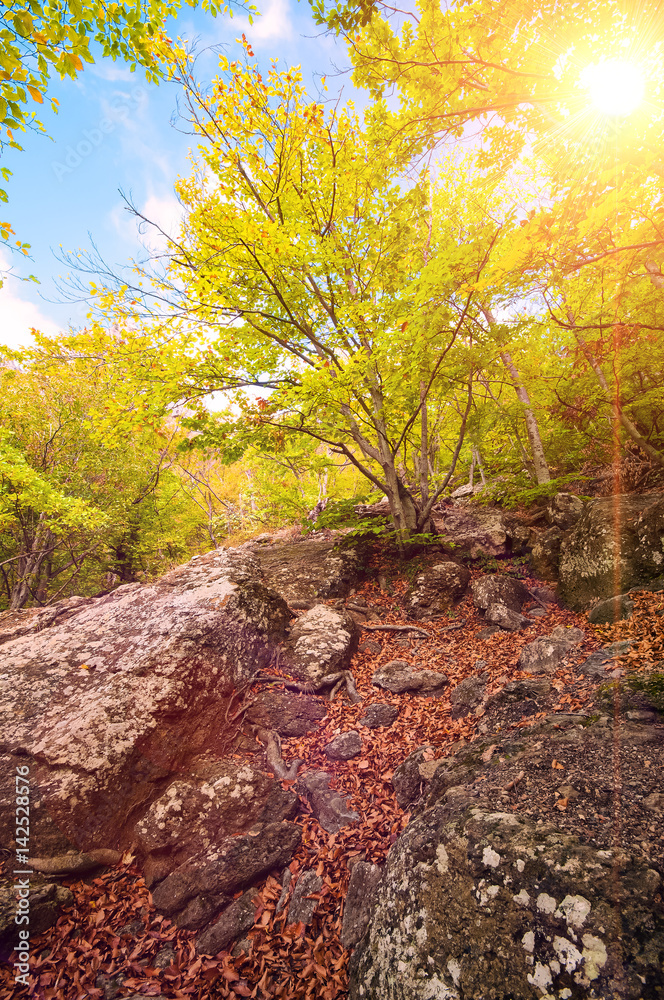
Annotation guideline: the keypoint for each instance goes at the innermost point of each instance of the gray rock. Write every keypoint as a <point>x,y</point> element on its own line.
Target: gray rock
<point>543,594</point>
<point>380,714</point>
<point>436,590</point>
<point>545,553</point>
<point>99,694</point>
<point>486,904</point>
<point>329,807</point>
<point>287,714</point>
<point>407,780</point>
<point>47,900</point>
<point>234,921</point>
<point>564,510</point>
<point>399,676</point>
<point>310,570</point>
<point>546,654</point>
<point>200,910</point>
<point>231,864</point>
<point>486,633</point>
<point>469,693</point>
<point>598,560</point>
<point>476,530</point>
<point>190,816</point>
<point>322,641</point>
<point>301,908</point>
<point>506,619</point>
<point>526,688</point>
<point>506,590</point>
<point>344,746</point>
<point>612,610</point>
<point>594,665</point>
<point>364,881</point>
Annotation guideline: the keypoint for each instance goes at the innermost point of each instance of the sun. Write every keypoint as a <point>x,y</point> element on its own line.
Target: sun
<point>615,87</point>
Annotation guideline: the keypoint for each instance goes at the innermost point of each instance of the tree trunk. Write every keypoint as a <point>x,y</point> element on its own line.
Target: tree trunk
<point>542,474</point>
<point>30,568</point>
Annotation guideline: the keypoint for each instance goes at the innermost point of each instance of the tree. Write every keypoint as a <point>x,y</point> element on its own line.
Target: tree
<point>38,39</point>
<point>303,260</point>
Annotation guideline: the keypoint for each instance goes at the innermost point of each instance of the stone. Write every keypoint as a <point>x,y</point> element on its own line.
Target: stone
<point>521,690</point>
<point>310,570</point>
<point>486,633</point>
<point>288,714</point>
<point>594,665</point>
<point>233,863</point>
<point>617,544</point>
<point>360,896</point>
<point>506,619</point>
<point>545,553</point>
<point>494,589</point>
<point>105,697</point>
<point>481,903</point>
<point>545,654</point>
<point>200,910</point>
<point>47,900</point>
<point>329,807</point>
<point>564,510</point>
<point>237,918</point>
<point>301,908</point>
<point>321,642</point>
<point>544,594</point>
<point>475,530</point>
<point>612,610</point>
<point>379,715</point>
<point>469,693</point>
<point>399,676</point>
<point>407,780</point>
<point>436,590</point>
<point>192,816</point>
<point>344,746</point>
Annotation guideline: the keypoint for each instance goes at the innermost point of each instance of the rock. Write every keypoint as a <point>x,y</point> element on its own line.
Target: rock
<point>192,816</point>
<point>344,746</point>
<point>486,633</point>
<point>234,921</point>
<point>545,553</point>
<point>47,900</point>
<point>436,590</point>
<point>477,530</point>
<point>487,904</point>
<point>200,910</point>
<point>564,510</point>
<point>329,807</point>
<point>399,676</point>
<point>506,619</point>
<point>506,590</point>
<point>364,880</point>
<point>322,641</point>
<point>546,654</point>
<point>598,561</point>
<point>527,688</point>
<point>310,570</point>
<point>612,610</point>
<point>469,693</point>
<point>543,594</point>
<point>380,714</point>
<point>231,864</point>
<point>407,780</point>
<point>288,714</point>
<point>301,908</point>
<point>594,665</point>
<point>369,647</point>
<point>105,697</point>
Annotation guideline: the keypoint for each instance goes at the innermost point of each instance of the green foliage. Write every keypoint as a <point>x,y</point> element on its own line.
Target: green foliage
<point>517,492</point>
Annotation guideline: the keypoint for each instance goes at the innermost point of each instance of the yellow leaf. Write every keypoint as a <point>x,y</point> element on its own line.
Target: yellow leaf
<point>35,95</point>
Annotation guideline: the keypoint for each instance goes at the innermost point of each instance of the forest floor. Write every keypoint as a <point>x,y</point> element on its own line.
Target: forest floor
<point>112,943</point>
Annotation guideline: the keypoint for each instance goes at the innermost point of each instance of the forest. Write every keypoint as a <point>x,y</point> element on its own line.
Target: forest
<point>459,281</point>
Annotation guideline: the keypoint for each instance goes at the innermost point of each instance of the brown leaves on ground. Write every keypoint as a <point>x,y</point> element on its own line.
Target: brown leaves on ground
<point>293,961</point>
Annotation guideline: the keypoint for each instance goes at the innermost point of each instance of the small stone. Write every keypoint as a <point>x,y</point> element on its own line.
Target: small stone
<point>612,610</point>
<point>345,746</point>
<point>505,618</point>
<point>301,908</point>
<point>235,920</point>
<point>380,714</point>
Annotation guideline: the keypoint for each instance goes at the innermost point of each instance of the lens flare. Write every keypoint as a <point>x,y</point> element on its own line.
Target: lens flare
<point>615,87</point>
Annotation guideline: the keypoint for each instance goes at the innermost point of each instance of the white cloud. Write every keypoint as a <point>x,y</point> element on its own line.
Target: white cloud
<point>17,314</point>
<point>274,23</point>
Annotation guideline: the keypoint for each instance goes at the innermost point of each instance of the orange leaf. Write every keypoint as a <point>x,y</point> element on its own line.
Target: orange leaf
<point>557,765</point>
<point>35,94</point>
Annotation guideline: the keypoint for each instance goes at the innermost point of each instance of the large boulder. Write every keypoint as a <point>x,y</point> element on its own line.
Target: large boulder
<point>485,900</point>
<point>475,530</point>
<point>310,570</point>
<point>105,698</point>
<point>436,590</point>
<point>617,544</point>
<point>285,712</point>
<point>499,589</point>
<point>545,654</point>
<point>564,510</point>
<point>321,642</point>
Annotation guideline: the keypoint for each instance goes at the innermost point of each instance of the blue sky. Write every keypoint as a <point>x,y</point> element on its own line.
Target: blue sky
<point>113,132</point>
